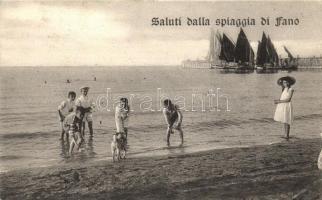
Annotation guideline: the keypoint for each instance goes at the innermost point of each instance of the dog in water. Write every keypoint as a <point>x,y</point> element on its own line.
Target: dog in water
<point>118,146</point>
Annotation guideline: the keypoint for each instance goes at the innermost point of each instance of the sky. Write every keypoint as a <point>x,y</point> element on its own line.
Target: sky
<point>87,33</point>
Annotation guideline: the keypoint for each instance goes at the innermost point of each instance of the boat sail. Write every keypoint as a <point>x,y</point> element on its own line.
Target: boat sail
<point>227,49</point>
<point>273,57</point>
<point>258,55</point>
<point>223,52</point>
<point>243,53</point>
<point>290,62</point>
<point>262,52</point>
<point>266,59</point>
<point>212,59</point>
<point>215,47</point>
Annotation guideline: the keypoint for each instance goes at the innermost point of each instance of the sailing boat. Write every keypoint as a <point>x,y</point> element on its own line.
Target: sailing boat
<point>259,58</point>
<point>227,55</point>
<point>289,63</point>
<point>212,59</point>
<point>272,52</point>
<point>215,47</point>
<point>266,58</point>
<point>220,53</point>
<point>227,49</point>
<point>243,54</point>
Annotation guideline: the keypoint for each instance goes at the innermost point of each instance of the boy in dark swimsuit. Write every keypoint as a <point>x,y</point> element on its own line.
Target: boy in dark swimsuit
<point>173,117</point>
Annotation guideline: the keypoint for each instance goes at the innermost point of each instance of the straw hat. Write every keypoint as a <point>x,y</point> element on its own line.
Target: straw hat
<point>84,88</point>
<point>289,79</point>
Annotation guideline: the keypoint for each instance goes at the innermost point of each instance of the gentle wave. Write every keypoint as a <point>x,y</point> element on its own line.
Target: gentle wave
<point>220,124</point>
<point>28,135</point>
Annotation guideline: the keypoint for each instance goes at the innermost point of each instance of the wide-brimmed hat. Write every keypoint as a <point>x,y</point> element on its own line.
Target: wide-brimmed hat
<point>289,79</point>
<point>84,88</point>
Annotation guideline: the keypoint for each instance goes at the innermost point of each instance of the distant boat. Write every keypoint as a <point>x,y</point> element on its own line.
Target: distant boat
<point>212,58</point>
<point>220,53</point>
<point>214,49</point>
<point>227,55</point>
<point>289,63</point>
<point>243,54</point>
<point>266,58</point>
<point>273,57</point>
<point>227,49</point>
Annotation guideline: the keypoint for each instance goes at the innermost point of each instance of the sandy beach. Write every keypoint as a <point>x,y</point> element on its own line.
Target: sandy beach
<point>232,80</point>
<point>280,171</point>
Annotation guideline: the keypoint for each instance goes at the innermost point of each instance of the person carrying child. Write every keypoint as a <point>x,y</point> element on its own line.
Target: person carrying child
<point>87,104</point>
<point>65,108</point>
<point>72,125</point>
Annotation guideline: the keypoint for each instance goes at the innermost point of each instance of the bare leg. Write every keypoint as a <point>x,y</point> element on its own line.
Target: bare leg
<point>168,136</point>
<point>90,127</point>
<point>62,131</point>
<point>118,153</point>
<point>113,152</point>
<point>125,131</point>
<point>62,135</point>
<point>67,139</point>
<point>82,125</point>
<point>181,134</point>
<point>71,146</point>
<point>78,142</point>
<point>287,130</point>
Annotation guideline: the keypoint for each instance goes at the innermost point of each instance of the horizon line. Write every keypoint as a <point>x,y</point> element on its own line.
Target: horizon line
<point>154,65</point>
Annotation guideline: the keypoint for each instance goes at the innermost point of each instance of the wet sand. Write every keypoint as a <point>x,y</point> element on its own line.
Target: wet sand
<point>286,170</point>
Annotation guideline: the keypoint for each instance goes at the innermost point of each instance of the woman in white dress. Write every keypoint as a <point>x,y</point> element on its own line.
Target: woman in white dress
<point>284,110</point>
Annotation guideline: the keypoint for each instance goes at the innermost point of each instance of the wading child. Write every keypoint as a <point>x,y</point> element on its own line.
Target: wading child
<point>284,110</point>
<point>72,125</point>
<point>87,104</point>
<point>173,118</point>
<point>122,116</point>
<point>64,109</point>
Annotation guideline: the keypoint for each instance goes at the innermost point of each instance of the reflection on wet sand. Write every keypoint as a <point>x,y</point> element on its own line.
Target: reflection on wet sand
<point>86,150</point>
<point>179,149</point>
<point>64,148</point>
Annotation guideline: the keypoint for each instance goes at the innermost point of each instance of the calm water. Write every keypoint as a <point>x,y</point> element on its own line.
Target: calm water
<point>30,128</point>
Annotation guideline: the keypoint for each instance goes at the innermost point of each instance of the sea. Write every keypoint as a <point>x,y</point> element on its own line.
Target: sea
<point>220,110</point>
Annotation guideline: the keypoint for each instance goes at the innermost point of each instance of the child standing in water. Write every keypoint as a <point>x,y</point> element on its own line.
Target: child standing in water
<point>72,125</point>
<point>173,118</point>
<point>65,108</point>
<point>284,110</point>
<point>87,104</point>
<point>122,116</point>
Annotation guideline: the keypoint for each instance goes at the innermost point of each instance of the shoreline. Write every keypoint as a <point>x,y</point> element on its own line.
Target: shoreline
<point>75,163</point>
<point>279,171</point>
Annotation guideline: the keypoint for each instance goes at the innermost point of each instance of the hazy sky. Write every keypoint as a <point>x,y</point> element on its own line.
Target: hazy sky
<point>71,33</point>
